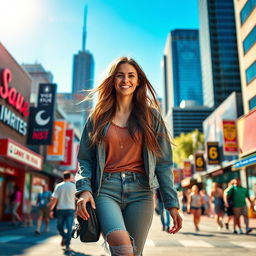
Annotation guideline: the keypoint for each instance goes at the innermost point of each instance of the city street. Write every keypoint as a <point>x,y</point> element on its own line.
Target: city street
<point>209,241</point>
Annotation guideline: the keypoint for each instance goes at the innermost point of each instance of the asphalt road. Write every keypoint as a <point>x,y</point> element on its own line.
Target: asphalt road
<point>208,241</point>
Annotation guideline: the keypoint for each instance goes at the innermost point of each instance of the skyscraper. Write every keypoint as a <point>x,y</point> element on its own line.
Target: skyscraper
<point>83,65</point>
<point>218,46</point>
<point>182,68</point>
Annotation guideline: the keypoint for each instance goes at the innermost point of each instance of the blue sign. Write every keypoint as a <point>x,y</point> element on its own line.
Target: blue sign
<point>250,160</point>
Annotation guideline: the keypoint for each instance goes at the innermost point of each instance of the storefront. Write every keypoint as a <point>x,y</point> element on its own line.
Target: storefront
<point>17,161</point>
<point>247,149</point>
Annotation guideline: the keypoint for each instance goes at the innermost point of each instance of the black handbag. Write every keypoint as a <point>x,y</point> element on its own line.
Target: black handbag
<point>87,230</point>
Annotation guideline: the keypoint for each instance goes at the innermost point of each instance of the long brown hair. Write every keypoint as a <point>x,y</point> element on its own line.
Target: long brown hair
<point>144,99</point>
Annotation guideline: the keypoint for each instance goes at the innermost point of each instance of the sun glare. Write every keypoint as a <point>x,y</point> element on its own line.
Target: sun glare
<point>16,16</point>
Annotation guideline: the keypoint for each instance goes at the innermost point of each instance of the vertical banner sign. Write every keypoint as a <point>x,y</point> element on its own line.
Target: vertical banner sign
<point>230,146</point>
<point>74,167</point>
<point>187,169</point>
<point>69,140</point>
<point>46,95</point>
<point>176,176</point>
<point>40,128</point>
<point>56,151</point>
<point>199,162</point>
<point>213,155</point>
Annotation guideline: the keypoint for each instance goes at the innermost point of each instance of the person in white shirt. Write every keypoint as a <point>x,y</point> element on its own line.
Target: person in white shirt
<point>63,198</point>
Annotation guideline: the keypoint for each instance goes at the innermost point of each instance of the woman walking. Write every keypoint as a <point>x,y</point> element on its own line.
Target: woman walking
<point>124,147</point>
<point>16,201</point>
<point>216,199</point>
<point>195,202</point>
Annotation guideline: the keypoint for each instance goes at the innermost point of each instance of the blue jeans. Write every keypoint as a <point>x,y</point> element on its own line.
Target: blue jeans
<point>65,218</point>
<point>125,202</point>
<point>164,215</point>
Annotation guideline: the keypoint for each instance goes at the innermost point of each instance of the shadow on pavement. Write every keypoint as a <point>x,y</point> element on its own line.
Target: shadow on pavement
<point>198,234</point>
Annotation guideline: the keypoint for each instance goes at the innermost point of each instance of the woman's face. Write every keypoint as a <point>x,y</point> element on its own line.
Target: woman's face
<point>126,80</point>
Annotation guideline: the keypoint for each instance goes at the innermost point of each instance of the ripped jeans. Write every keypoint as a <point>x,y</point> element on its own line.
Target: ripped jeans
<point>125,202</point>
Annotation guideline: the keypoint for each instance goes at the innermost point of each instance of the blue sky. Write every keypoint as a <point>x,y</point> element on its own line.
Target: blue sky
<point>50,32</point>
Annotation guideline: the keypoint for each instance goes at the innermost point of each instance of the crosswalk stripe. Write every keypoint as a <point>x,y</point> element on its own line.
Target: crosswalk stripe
<point>194,243</point>
<point>245,244</point>
<point>6,239</point>
<point>149,242</point>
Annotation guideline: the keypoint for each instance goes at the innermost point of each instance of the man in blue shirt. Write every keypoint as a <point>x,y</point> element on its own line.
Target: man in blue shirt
<point>43,201</point>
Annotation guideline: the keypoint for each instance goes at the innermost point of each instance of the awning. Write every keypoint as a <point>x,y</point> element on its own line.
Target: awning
<point>12,150</point>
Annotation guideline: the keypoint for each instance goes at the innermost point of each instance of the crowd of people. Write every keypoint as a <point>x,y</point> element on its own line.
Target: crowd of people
<point>225,205</point>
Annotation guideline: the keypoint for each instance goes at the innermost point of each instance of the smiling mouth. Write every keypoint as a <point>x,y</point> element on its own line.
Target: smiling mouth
<point>125,86</point>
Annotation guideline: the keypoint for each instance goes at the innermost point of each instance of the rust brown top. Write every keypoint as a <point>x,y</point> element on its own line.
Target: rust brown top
<point>123,153</point>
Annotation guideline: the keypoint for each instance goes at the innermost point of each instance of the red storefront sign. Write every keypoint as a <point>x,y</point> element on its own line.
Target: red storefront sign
<point>14,151</point>
<point>13,97</point>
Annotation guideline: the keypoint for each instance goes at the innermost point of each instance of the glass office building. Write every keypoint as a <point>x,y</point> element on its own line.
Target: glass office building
<point>182,68</point>
<point>83,72</point>
<point>219,55</point>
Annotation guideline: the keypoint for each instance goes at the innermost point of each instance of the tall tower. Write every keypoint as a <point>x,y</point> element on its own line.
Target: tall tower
<point>83,65</point>
<point>182,68</point>
<point>218,46</point>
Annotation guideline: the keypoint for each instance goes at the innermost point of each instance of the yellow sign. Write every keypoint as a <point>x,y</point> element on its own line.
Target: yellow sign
<point>213,154</point>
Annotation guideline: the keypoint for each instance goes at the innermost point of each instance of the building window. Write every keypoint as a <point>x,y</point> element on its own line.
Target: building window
<point>252,103</point>
<point>250,40</point>
<point>251,73</point>
<point>247,10</point>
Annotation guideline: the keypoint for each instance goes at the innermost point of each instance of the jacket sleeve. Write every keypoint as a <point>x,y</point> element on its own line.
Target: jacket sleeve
<point>164,164</point>
<point>86,161</point>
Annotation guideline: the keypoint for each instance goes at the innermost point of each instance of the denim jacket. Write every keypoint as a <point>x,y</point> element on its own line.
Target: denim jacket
<point>92,159</point>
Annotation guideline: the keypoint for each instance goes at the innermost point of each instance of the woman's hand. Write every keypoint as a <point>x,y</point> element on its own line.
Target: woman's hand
<point>177,220</point>
<point>84,198</point>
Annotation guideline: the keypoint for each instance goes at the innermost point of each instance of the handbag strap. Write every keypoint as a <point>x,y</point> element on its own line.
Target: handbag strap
<point>75,231</point>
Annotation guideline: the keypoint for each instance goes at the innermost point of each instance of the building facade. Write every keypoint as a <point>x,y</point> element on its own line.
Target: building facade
<point>246,39</point>
<point>218,46</point>
<point>182,68</point>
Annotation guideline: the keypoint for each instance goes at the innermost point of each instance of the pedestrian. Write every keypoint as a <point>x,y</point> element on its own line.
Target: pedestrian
<point>43,206</point>
<point>15,200</point>
<point>183,198</point>
<point>195,202</point>
<point>240,208</point>
<point>164,214</point>
<point>217,202</point>
<point>63,198</point>
<point>206,204</point>
<point>28,221</point>
<point>229,207</point>
<point>124,149</point>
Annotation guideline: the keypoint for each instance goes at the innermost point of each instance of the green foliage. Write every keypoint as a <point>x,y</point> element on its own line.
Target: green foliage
<point>186,145</point>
